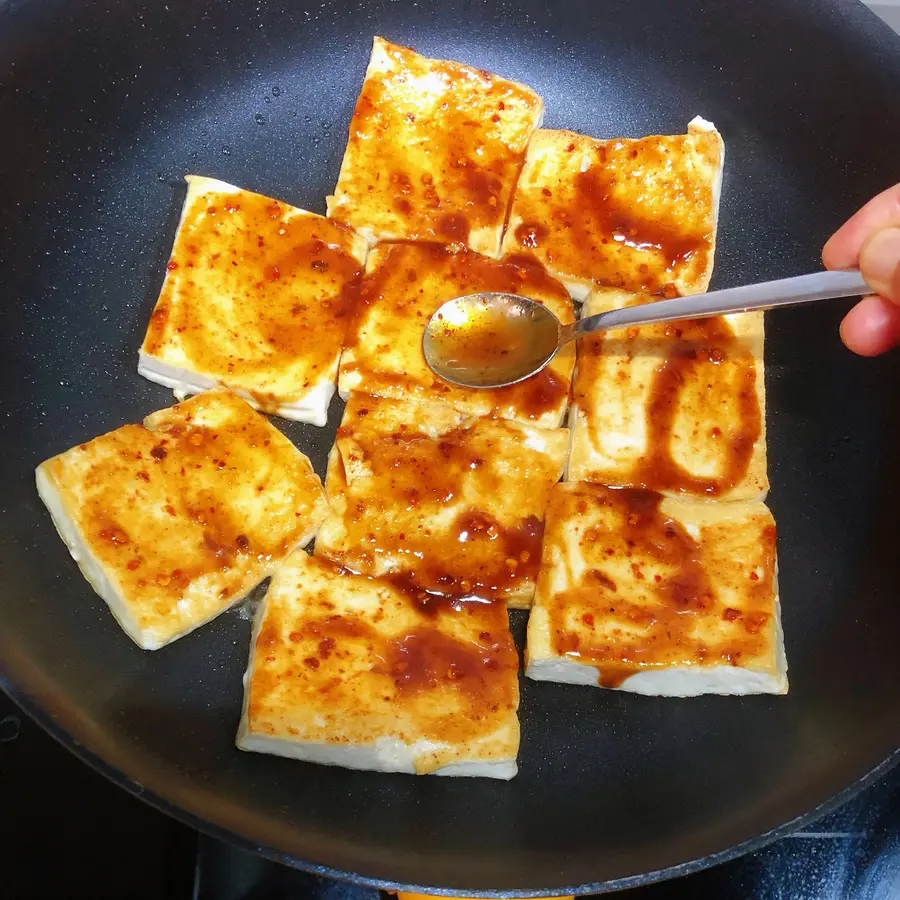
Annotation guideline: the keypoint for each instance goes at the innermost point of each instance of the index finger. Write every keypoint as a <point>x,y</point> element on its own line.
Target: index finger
<point>841,251</point>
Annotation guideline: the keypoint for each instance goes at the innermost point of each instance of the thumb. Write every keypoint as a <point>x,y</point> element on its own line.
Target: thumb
<point>879,262</point>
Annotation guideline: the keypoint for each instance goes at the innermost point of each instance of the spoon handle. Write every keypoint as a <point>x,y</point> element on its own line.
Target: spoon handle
<point>769,294</point>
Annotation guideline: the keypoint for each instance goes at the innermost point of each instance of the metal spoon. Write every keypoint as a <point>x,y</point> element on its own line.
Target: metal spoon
<point>493,339</point>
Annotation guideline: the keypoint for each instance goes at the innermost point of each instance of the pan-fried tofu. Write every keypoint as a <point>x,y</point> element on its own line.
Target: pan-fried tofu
<point>254,298</point>
<point>404,284</point>
<point>675,407</point>
<point>352,671</point>
<point>434,151</point>
<point>657,596</point>
<point>638,214</point>
<point>442,501</point>
<point>175,520</point>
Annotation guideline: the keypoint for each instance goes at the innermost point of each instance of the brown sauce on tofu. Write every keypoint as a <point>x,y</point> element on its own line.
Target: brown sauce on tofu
<point>652,621</point>
<point>397,283</point>
<point>706,356</point>
<point>290,281</point>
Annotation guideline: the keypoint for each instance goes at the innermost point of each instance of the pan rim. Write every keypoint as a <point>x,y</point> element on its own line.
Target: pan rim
<point>67,738</point>
<point>62,722</point>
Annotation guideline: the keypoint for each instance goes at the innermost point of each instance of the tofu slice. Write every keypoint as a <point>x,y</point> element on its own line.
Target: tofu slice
<point>351,671</point>
<point>443,502</point>
<point>434,151</point>
<point>173,521</point>
<point>404,284</point>
<point>675,407</point>
<point>638,214</point>
<point>657,596</point>
<point>254,298</point>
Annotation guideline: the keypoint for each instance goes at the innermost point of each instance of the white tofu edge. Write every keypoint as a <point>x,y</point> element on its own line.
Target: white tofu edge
<point>311,408</point>
<point>579,290</point>
<point>90,566</point>
<point>701,124</point>
<point>386,754</point>
<point>571,422</point>
<point>698,123</point>
<point>366,232</point>
<point>677,681</point>
<point>96,575</point>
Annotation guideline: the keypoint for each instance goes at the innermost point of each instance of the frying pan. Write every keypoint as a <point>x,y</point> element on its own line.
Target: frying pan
<point>105,105</point>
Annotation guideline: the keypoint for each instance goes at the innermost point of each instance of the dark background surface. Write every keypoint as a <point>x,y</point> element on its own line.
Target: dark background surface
<point>104,106</point>
<point>77,836</point>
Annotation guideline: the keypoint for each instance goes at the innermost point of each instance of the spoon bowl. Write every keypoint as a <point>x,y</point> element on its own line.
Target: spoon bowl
<point>491,339</point>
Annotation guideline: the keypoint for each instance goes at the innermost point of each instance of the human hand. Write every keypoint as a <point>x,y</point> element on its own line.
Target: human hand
<point>870,240</point>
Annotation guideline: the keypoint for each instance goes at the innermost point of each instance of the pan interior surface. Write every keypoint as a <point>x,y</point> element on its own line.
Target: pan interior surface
<point>105,106</point>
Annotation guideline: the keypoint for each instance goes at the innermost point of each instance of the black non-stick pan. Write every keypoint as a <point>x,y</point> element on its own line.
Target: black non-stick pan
<point>104,106</point>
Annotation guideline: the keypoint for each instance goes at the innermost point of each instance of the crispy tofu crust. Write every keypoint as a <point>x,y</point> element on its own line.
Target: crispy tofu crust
<point>255,298</point>
<point>675,407</point>
<point>175,520</point>
<point>654,595</point>
<point>638,214</point>
<point>434,151</point>
<point>353,671</point>
<point>448,503</point>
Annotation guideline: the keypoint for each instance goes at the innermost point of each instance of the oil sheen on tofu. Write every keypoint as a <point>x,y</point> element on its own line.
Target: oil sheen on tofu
<point>255,297</point>
<point>676,407</point>
<point>404,285</point>
<point>445,503</point>
<point>354,671</point>
<point>638,214</point>
<point>434,151</point>
<point>657,596</point>
<point>175,520</point>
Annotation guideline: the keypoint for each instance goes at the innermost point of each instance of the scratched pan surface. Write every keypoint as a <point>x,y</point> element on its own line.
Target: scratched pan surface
<point>104,106</point>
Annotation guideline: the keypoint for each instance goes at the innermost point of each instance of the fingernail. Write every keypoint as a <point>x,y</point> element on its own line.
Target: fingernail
<point>879,262</point>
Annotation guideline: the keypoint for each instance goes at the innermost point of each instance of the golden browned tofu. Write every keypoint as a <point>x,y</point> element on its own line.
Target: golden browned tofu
<point>675,407</point>
<point>439,500</point>
<point>434,151</point>
<point>175,520</point>
<point>255,298</point>
<point>353,671</point>
<point>635,214</point>
<point>404,284</point>
<point>657,596</point>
